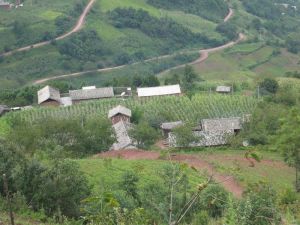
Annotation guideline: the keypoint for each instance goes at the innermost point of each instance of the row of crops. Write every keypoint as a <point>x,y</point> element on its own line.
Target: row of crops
<point>169,108</point>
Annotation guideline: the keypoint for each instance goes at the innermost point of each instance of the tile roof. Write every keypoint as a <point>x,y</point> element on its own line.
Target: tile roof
<point>123,139</point>
<point>48,93</point>
<point>119,110</point>
<point>171,125</point>
<point>87,94</point>
<point>221,124</point>
<point>159,91</point>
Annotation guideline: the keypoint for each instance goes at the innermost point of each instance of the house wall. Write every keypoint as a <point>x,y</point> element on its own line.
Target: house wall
<point>50,103</point>
<point>120,117</point>
<point>5,6</point>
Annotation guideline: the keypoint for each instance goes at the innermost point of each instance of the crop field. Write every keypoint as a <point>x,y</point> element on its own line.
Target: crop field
<point>171,108</point>
<point>245,62</point>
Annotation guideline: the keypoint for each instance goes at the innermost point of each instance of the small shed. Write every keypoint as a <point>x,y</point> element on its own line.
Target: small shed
<point>168,127</point>
<point>223,89</point>
<point>49,96</point>
<point>5,5</point>
<point>159,91</point>
<point>91,93</point>
<point>119,113</point>
<point>4,109</point>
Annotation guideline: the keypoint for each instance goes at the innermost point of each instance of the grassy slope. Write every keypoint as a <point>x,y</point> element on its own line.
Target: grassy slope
<point>245,62</point>
<point>40,16</point>
<point>19,69</point>
<point>107,173</point>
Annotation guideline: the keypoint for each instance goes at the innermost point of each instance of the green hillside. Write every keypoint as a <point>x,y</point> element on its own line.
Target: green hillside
<point>115,44</point>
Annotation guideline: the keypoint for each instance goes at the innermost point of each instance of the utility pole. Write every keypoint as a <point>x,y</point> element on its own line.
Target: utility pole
<point>8,199</point>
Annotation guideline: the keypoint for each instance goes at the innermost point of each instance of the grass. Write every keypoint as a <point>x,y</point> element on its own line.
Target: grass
<point>271,169</point>
<point>108,172</point>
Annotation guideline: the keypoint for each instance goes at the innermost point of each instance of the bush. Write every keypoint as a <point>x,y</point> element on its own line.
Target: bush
<point>201,218</point>
<point>214,200</point>
<point>258,207</point>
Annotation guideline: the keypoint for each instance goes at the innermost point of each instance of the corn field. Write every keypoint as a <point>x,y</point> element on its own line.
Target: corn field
<point>171,107</point>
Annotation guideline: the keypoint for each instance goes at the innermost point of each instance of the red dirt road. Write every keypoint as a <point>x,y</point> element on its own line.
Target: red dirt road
<point>193,161</point>
<point>75,29</point>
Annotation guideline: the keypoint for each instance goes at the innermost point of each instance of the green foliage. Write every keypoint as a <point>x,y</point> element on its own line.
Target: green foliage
<point>173,34</point>
<point>184,135</point>
<point>214,200</point>
<point>62,137</point>
<point>289,141</point>
<point>258,207</point>
<point>85,45</point>
<point>201,218</point>
<point>269,85</point>
<point>19,97</point>
<point>144,135</point>
<point>213,10</point>
<point>228,29</point>
<point>128,183</point>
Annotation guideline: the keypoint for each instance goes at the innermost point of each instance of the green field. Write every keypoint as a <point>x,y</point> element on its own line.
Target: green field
<point>170,108</point>
<point>244,62</point>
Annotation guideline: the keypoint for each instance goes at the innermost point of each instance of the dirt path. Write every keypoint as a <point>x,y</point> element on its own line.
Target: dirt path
<point>76,28</point>
<point>204,53</point>
<point>228,182</point>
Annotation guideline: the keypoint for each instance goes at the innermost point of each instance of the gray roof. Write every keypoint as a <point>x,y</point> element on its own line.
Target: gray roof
<point>66,101</point>
<point>123,139</point>
<point>4,109</point>
<point>171,125</point>
<point>119,110</point>
<point>205,139</point>
<point>87,94</point>
<point>221,124</point>
<point>225,89</point>
<point>48,93</point>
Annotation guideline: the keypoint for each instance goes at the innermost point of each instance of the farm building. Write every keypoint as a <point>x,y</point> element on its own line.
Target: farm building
<point>90,93</point>
<point>223,89</point>
<point>4,109</point>
<point>5,5</point>
<point>49,96</point>
<point>120,117</point>
<point>159,91</point>
<point>119,113</point>
<point>168,127</point>
<point>221,124</point>
<point>214,132</point>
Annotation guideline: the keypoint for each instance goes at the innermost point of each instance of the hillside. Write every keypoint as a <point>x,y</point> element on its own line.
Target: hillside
<point>104,29</point>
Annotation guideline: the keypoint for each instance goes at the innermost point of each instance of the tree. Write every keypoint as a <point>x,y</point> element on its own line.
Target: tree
<point>128,183</point>
<point>289,142</point>
<point>184,135</point>
<point>144,135</point>
<point>189,75</point>
<point>269,85</point>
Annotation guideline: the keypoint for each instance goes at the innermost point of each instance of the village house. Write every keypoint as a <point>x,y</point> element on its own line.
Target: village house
<point>223,89</point>
<point>159,91</point>
<point>5,5</point>
<point>213,132</point>
<point>49,96</point>
<point>90,93</point>
<point>4,109</point>
<point>120,117</point>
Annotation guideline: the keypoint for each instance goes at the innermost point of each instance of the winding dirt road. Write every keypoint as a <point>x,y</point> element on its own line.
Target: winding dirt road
<point>75,29</point>
<point>228,182</point>
<point>204,53</point>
